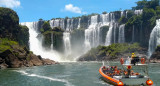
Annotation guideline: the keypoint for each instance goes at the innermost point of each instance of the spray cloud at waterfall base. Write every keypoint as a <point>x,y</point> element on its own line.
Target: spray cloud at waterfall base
<point>36,43</point>
<point>154,38</point>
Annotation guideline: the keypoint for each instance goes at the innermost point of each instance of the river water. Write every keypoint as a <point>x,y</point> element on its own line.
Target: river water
<point>63,74</point>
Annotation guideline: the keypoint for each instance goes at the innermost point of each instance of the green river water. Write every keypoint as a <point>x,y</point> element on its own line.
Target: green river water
<point>63,74</point>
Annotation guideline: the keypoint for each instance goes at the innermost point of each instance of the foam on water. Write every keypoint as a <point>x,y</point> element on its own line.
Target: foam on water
<point>45,77</point>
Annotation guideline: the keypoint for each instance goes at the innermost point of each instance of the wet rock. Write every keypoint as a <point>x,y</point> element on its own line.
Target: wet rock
<point>21,57</point>
<point>48,62</point>
<point>156,54</point>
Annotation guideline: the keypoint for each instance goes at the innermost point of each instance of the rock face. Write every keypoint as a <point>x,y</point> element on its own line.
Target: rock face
<point>156,54</point>
<point>21,57</point>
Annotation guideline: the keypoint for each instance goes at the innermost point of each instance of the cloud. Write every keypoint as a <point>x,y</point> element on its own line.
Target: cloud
<point>73,9</point>
<point>10,3</point>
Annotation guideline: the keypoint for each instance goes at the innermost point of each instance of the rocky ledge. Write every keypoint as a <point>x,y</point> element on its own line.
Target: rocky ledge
<point>17,56</point>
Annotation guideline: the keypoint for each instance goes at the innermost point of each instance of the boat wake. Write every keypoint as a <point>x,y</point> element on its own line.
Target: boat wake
<point>45,77</point>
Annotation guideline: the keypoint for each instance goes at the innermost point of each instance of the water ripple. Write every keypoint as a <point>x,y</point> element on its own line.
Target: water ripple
<point>45,77</point>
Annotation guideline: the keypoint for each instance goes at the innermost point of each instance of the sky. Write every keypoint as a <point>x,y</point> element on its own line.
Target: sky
<point>33,10</point>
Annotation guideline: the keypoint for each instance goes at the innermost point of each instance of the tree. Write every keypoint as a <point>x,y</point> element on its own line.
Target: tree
<point>46,26</point>
<point>104,12</point>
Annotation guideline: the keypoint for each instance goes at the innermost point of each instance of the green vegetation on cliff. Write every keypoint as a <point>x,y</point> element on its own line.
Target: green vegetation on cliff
<point>110,52</point>
<point>6,44</point>
<point>10,28</point>
<point>45,27</point>
<point>57,36</point>
<point>142,23</point>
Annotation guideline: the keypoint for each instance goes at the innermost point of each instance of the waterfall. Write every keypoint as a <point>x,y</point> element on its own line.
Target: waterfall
<point>109,35</point>
<point>91,34</point>
<point>133,34</point>
<point>154,38</point>
<point>105,19</point>
<point>68,25</point>
<point>71,26</point>
<point>57,23</point>
<point>35,43</point>
<point>62,23</point>
<point>51,41</point>
<point>79,23</point>
<point>67,44</point>
<point>112,25</point>
<point>126,14</point>
<point>121,37</point>
<point>115,30</point>
<point>51,23</point>
<point>138,12</point>
<point>121,13</point>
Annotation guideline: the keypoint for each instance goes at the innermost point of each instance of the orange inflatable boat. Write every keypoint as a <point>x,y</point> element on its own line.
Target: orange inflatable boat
<point>108,78</point>
<point>128,74</point>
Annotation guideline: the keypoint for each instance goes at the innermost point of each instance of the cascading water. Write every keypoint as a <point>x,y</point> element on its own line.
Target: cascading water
<point>154,38</point>
<point>126,14</point>
<point>68,25</point>
<point>121,37</point>
<point>91,34</point>
<point>51,41</point>
<point>51,23</point>
<point>138,12</point>
<point>79,23</point>
<point>112,25</point>
<point>57,23</point>
<point>36,43</point>
<point>67,43</point>
<point>121,13</point>
<point>114,32</point>
<point>105,19</point>
<point>109,35</point>
<point>62,23</point>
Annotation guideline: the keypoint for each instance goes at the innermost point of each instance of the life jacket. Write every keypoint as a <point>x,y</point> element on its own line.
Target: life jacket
<point>133,56</point>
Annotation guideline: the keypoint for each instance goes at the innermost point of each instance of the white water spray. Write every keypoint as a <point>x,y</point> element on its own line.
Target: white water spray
<point>154,38</point>
<point>35,43</point>
<point>67,43</point>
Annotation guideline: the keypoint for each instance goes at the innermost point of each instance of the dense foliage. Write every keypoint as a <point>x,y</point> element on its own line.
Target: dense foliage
<point>10,28</point>
<point>6,44</point>
<point>112,51</point>
<point>23,35</point>
<point>9,23</point>
<point>142,23</point>
<point>45,27</point>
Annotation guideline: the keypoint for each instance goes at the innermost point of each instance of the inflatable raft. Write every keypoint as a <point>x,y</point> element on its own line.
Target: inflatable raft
<point>128,75</point>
